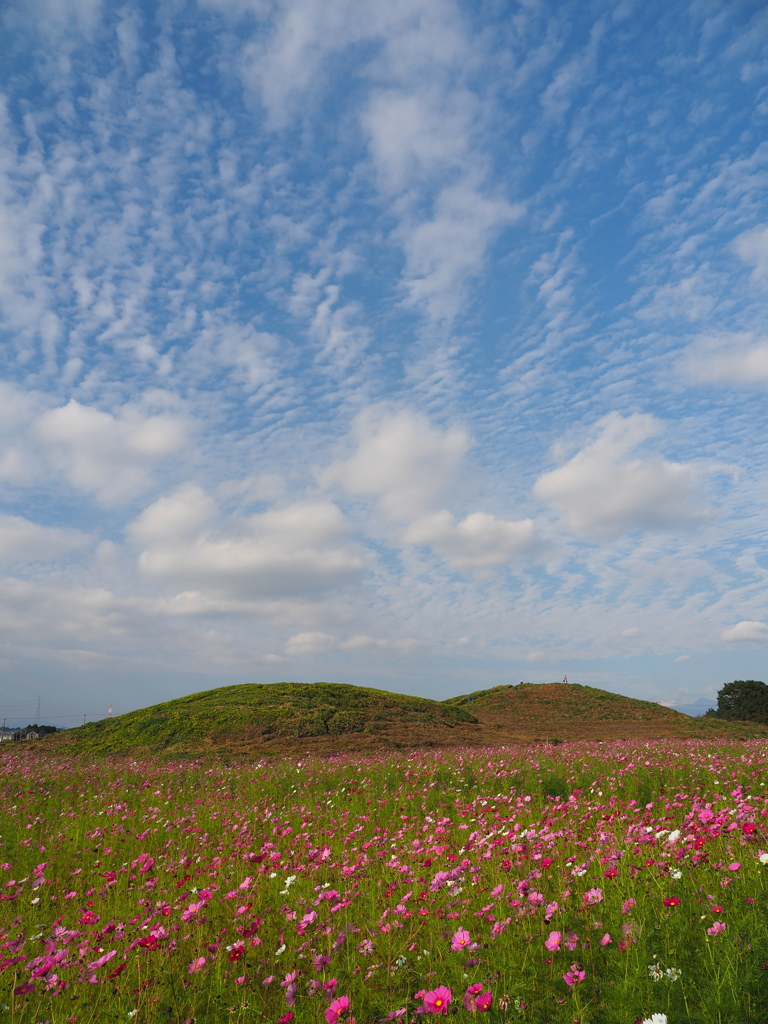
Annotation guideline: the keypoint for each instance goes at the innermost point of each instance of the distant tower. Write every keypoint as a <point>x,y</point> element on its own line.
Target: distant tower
<point>109,712</point>
<point>565,679</point>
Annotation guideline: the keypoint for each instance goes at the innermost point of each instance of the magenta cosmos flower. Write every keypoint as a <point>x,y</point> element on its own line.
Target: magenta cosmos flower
<point>435,1001</point>
<point>553,942</point>
<point>574,976</point>
<point>337,1009</point>
<point>460,939</point>
<point>476,999</point>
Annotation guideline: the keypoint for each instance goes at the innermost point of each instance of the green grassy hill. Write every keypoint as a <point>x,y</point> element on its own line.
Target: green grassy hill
<point>257,720</point>
<point>569,711</point>
<point>281,716</point>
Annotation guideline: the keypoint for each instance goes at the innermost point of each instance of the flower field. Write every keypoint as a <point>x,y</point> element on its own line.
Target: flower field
<point>606,882</point>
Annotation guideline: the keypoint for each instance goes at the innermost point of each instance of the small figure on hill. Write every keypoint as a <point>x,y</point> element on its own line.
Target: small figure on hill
<point>565,679</point>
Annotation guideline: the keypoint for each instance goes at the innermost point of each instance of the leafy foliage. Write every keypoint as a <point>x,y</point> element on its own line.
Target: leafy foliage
<point>743,700</point>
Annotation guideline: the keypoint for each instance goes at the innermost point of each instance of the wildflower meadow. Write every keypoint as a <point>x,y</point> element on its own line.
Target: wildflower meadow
<point>604,882</point>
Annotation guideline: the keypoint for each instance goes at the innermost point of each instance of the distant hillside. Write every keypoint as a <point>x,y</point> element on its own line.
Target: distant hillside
<point>568,711</point>
<point>254,720</point>
<point>277,716</point>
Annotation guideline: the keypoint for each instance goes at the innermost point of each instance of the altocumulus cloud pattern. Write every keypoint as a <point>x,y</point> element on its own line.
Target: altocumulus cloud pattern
<point>417,344</point>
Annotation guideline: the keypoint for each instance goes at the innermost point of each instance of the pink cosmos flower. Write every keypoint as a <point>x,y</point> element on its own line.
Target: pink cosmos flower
<point>460,939</point>
<point>550,909</point>
<point>592,897</point>
<point>671,901</point>
<point>734,866</point>
<point>240,980</point>
<point>337,1009</point>
<point>196,965</point>
<point>484,1001</point>
<point>471,992</point>
<point>437,1000</point>
<point>574,976</point>
<point>571,940</point>
<point>102,960</point>
<point>717,927</point>
<point>606,939</point>
<point>553,942</point>
<point>627,905</point>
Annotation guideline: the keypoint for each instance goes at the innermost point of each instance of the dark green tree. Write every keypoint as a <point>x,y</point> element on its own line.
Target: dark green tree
<point>743,700</point>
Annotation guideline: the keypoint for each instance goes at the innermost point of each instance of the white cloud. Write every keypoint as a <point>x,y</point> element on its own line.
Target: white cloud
<point>109,454</point>
<point>249,351</point>
<point>746,632</point>
<point>177,517</point>
<point>752,248</point>
<point>401,459</point>
<point>480,541</point>
<point>739,358</point>
<point>25,541</point>
<point>446,251</point>
<point>362,641</point>
<point>681,659</point>
<point>300,549</point>
<point>603,492</point>
<point>427,144</point>
<point>632,631</point>
<point>309,643</point>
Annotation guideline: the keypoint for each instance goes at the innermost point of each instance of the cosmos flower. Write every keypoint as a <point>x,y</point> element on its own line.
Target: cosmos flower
<point>337,1009</point>
<point>437,1000</point>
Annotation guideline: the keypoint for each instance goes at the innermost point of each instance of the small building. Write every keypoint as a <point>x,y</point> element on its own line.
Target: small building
<point>32,732</point>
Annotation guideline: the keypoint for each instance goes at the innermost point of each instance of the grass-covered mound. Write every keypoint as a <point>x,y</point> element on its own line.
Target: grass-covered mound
<point>283,716</point>
<point>568,711</point>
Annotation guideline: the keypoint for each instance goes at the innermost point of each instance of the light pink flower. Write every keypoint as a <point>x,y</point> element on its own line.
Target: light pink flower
<point>606,939</point>
<point>102,960</point>
<point>460,939</point>
<point>734,866</point>
<point>592,897</point>
<point>553,942</point>
<point>571,940</point>
<point>717,927</point>
<point>196,965</point>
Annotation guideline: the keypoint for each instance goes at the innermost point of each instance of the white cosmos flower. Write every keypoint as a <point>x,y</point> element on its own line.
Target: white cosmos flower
<point>656,1018</point>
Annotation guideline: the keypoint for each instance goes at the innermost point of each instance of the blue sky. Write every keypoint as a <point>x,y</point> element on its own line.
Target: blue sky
<point>418,345</point>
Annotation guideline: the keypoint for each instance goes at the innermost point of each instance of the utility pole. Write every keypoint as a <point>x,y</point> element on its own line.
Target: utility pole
<point>83,718</point>
<point>37,716</point>
<point>109,712</point>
